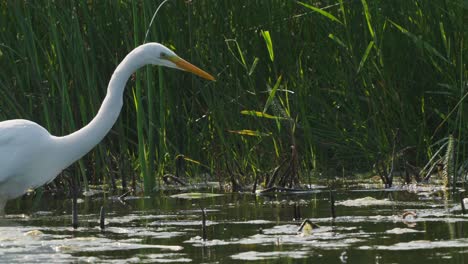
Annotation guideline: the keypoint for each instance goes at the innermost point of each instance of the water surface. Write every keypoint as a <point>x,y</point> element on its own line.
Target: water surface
<point>370,227</point>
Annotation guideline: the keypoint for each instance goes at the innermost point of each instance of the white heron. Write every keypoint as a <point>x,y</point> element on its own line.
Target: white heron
<point>31,157</point>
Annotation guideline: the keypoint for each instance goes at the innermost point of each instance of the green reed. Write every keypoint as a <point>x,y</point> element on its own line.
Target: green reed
<point>358,80</point>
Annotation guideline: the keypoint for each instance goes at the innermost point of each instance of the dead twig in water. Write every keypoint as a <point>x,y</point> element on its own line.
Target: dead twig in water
<point>462,195</point>
<point>236,187</point>
<point>173,179</point>
<point>272,179</point>
<point>254,188</point>
<point>102,216</point>
<point>122,197</point>
<point>74,211</point>
<point>74,190</point>
<point>297,212</point>
<point>332,205</point>
<point>203,223</point>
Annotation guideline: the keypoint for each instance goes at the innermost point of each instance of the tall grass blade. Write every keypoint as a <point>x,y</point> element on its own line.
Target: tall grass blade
<point>260,114</point>
<point>449,162</point>
<point>248,132</point>
<point>269,44</point>
<point>240,56</point>
<point>338,40</point>
<point>272,94</point>
<point>364,57</point>
<point>140,110</point>
<point>254,66</point>
<point>418,41</point>
<point>321,12</point>
<point>368,18</point>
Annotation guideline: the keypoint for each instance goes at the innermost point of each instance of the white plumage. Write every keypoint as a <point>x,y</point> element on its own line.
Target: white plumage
<point>30,156</point>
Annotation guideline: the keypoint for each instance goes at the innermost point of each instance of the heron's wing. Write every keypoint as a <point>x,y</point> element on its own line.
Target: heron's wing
<point>17,139</point>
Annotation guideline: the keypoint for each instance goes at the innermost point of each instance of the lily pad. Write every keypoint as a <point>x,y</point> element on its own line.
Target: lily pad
<point>400,231</point>
<point>366,201</point>
<point>195,195</point>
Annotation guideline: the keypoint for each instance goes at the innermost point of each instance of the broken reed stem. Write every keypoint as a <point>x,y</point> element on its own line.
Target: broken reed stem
<point>254,189</point>
<point>122,197</point>
<point>462,195</point>
<point>297,212</point>
<point>203,224</point>
<point>102,219</point>
<point>74,209</point>
<point>332,205</point>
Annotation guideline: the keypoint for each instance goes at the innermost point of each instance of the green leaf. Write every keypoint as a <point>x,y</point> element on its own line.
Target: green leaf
<point>272,94</point>
<point>254,65</point>
<point>241,55</point>
<point>444,39</point>
<point>240,58</point>
<point>420,42</point>
<point>189,159</point>
<point>247,132</point>
<point>269,44</point>
<point>364,57</point>
<point>337,40</point>
<point>260,114</point>
<point>322,12</point>
<point>368,18</point>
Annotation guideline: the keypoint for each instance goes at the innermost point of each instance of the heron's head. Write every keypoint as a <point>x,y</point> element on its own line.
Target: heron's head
<point>163,56</point>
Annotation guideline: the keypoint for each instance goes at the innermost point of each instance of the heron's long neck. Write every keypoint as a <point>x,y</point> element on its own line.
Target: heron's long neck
<point>82,141</point>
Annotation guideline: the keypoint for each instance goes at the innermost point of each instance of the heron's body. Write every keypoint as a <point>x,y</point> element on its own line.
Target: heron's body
<point>25,149</point>
<point>30,156</point>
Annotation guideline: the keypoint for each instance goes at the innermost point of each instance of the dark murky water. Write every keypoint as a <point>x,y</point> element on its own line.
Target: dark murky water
<point>369,228</point>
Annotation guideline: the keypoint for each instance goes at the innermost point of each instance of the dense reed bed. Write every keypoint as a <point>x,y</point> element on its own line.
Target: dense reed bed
<point>305,90</point>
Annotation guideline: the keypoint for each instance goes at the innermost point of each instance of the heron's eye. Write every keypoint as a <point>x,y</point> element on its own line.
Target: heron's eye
<point>163,55</point>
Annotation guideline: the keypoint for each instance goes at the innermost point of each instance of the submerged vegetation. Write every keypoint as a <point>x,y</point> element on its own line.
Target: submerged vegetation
<point>308,90</point>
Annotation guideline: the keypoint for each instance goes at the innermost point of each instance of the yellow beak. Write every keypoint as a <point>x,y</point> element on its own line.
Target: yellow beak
<point>187,66</point>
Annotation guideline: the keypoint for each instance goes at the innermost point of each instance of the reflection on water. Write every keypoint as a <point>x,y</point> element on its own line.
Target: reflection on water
<point>371,227</point>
